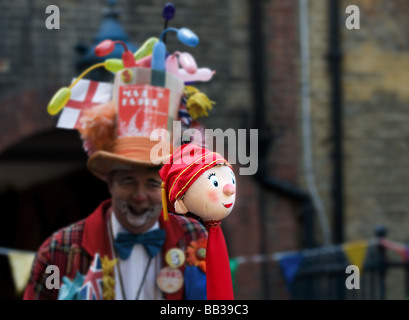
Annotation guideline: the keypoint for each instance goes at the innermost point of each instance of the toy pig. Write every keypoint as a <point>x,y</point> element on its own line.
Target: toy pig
<point>202,182</point>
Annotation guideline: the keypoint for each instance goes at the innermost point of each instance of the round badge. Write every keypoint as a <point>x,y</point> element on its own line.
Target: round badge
<point>169,280</point>
<point>201,253</point>
<point>126,76</point>
<point>175,257</point>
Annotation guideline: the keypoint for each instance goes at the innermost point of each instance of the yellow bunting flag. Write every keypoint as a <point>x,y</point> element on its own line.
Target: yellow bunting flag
<point>356,252</point>
<point>20,264</point>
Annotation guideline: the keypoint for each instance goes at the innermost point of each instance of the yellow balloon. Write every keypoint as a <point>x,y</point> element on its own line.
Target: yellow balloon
<point>59,100</point>
<point>146,48</point>
<point>113,65</point>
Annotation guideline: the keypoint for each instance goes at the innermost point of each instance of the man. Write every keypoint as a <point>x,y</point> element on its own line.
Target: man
<point>135,207</point>
<point>108,248</point>
<point>122,157</point>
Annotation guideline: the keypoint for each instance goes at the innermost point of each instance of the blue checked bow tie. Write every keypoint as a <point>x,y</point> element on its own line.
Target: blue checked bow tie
<point>152,242</point>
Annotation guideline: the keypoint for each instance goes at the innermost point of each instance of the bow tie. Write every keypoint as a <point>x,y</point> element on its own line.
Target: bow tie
<point>152,242</point>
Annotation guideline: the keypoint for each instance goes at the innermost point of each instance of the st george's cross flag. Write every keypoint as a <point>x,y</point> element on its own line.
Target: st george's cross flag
<point>92,286</point>
<point>84,95</point>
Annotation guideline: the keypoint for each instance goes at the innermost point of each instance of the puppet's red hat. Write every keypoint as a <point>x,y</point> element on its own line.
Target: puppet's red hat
<point>185,165</point>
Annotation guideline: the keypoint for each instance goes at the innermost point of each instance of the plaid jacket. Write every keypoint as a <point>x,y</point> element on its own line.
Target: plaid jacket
<point>72,249</point>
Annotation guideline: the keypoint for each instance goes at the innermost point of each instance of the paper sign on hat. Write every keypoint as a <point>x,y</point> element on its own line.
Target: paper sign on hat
<point>147,100</point>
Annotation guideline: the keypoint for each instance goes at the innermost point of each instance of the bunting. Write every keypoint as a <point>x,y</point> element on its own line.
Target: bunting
<point>290,263</point>
<point>20,263</point>
<point>233,268</point>
<point>356,252</point>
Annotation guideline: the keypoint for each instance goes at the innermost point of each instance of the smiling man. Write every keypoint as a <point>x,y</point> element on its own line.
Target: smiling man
<point>125,249</point>
<point>129,248</point>
<point>133,211</point>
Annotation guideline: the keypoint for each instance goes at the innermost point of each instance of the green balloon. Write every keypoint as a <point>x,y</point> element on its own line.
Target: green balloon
<point>114,65</point>
<point>59,100</point>
<point>146,48</point>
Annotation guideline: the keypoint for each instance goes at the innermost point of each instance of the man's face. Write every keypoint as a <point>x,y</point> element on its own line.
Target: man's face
<point>136,198</point>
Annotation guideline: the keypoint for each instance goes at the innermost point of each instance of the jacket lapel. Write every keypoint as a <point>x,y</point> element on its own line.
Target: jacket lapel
<point>95,238</point>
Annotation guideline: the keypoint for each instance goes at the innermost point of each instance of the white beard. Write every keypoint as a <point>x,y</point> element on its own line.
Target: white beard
<point>140,219</point>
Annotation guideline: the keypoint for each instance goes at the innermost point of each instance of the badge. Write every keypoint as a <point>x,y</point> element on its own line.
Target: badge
<point>169,280</point>
<point>126,76</point>
<point>175,257</point>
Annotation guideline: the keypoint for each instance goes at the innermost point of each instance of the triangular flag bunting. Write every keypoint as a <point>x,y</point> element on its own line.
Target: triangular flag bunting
<point>290,263</point>
<point>233,267</point>
<point>20,264</point>
<point>356,252</point>
<point>397,247</point>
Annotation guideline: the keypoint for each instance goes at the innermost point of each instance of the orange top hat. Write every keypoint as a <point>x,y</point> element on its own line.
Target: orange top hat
<point>124,122</point>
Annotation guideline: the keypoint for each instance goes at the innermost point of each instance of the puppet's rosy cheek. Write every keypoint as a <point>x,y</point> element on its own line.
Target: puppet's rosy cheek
<point>212,195</point>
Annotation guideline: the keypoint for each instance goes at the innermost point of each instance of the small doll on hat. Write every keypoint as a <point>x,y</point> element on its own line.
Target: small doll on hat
<point>199,181</point>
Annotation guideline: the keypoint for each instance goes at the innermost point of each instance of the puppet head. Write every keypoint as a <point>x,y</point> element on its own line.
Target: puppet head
<point>198,181</point>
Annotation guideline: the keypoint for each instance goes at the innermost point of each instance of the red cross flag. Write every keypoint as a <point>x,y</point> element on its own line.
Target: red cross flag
<point>84,95</point>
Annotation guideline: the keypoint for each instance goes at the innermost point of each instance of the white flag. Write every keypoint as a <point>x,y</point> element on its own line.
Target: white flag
<point>84,95</point>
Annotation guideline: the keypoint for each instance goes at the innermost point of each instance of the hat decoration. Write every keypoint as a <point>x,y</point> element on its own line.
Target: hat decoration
<point>151,89</point>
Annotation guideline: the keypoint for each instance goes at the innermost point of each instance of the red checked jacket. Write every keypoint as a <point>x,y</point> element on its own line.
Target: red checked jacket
<point>72,249</point>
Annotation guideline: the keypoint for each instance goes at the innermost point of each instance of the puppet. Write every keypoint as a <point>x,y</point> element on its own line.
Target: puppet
<point>199,181</point>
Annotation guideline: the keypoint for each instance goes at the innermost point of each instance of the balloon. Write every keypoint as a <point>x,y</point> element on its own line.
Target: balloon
<point>113,65</point>
<point>145,62</point>
<point>158,56</point>
<point>104,48</point>
<point>146,48</point>
<point>202,74</point>
<point>128,59</point>
<point>59,100</point>
<point>187,37</point>
<point>187,62</point>
<point>189,71</point>
<point>172,64</point>
<point>168,11</point>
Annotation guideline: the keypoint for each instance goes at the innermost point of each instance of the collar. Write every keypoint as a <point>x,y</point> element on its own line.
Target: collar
<point>95,238</point>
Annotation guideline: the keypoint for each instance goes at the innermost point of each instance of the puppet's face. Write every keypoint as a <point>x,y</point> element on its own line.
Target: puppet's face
<point>213,194</point>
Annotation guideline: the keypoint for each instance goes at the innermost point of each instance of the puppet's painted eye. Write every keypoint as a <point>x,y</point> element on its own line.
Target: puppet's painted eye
<point>213,179</point>
<point>233,179</point>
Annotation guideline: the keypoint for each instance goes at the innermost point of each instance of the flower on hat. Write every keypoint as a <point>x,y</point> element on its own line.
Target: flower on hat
<point>196,254</point>
<point>197,102</point>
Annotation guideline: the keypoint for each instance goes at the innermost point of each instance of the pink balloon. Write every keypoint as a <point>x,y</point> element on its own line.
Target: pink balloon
<point>171,64</point>
<point>144,62</point>
<point>202,74</point>
<point>187,62</point>
<point>189,71</point>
